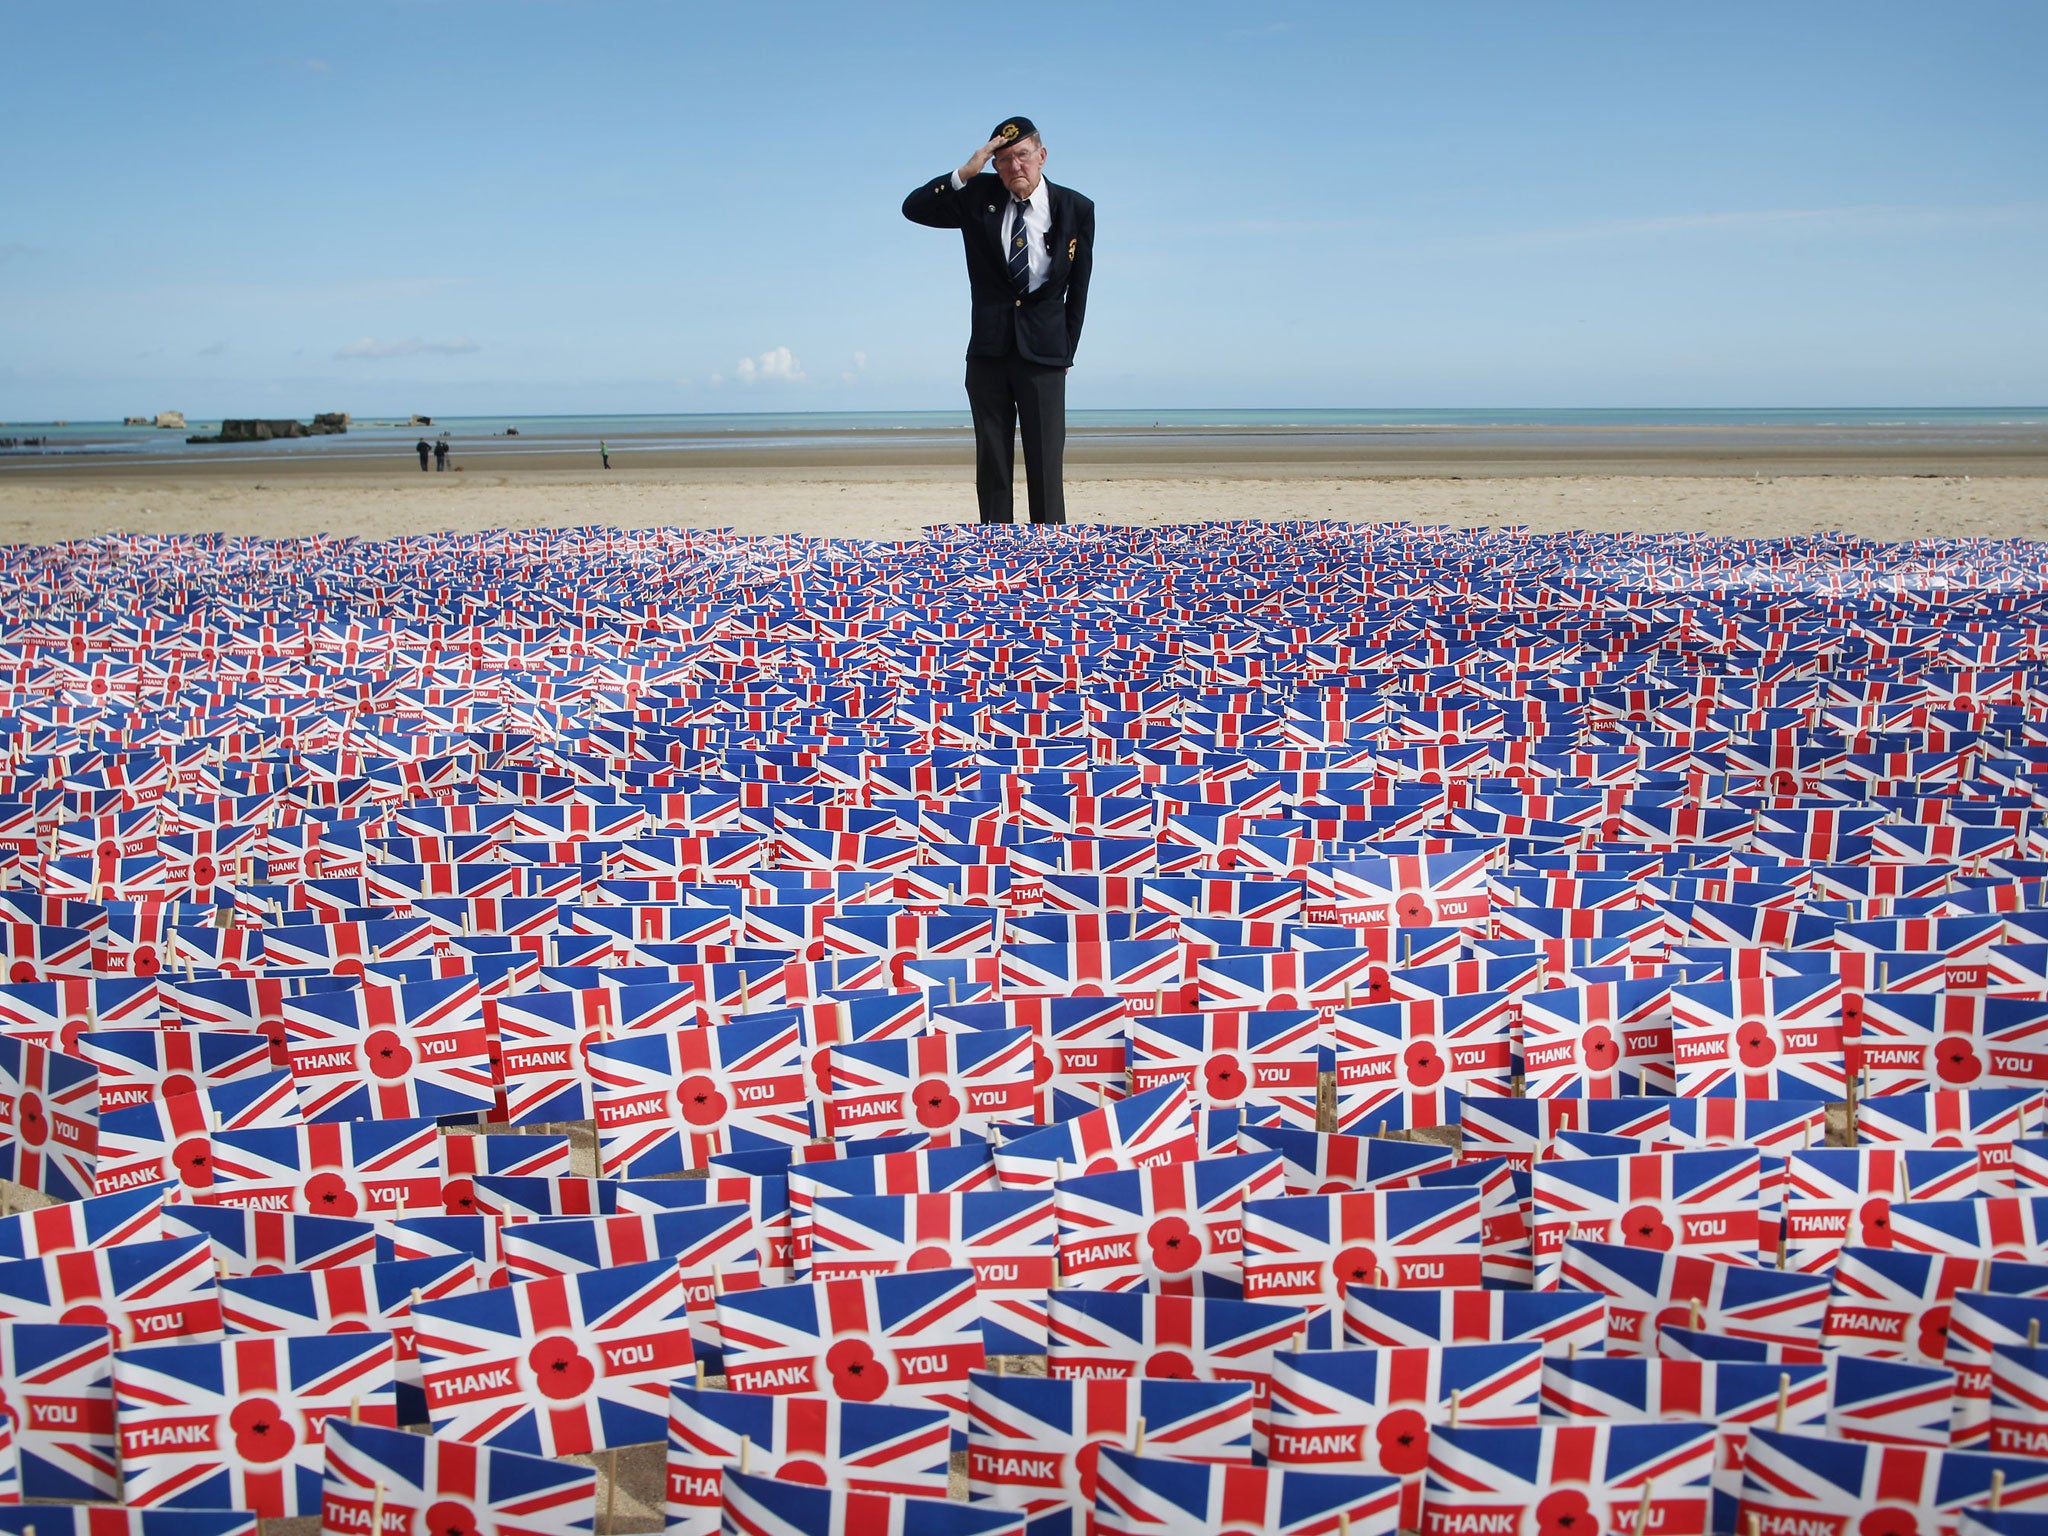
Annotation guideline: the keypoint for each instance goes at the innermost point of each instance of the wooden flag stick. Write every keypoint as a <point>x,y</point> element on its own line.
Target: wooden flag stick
<point>1997,1488</point>
<point>952,992</point>
<point>746,1445</point>
<point>1694,1315</point>
<point>1138,1443</point>
<point>377,1509</point>
<point>2033,1333</point>
<point>1454,1408</point>
<point>355,1410</point>
<point>1784,1400</point>
<point>1643,1512</point>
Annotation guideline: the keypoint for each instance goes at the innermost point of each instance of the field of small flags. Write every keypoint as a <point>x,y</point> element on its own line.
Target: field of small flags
<point>1245,1028</point>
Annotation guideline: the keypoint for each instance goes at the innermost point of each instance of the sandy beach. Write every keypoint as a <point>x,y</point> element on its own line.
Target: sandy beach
<point>895,501</point>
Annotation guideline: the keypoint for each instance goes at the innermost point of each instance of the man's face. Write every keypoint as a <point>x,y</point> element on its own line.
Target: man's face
<point>1020,165</point>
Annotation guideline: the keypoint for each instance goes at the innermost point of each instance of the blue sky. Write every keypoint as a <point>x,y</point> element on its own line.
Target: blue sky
<point>518,206</point>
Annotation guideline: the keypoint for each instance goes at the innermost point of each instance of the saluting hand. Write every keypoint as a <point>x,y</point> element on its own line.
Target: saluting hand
<point>978,159</point>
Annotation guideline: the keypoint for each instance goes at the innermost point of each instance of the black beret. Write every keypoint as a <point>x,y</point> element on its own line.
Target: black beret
<point>1011,129</point>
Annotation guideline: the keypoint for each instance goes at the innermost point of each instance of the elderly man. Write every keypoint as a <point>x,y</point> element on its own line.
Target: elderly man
<point>1030,247</point>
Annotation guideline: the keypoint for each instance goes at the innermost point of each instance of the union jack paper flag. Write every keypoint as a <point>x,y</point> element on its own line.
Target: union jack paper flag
<point>1949,1117</point>
<point>1324,1163</point>
<point>764,1506</point>
<point>102,1221</point>
<point>2018,1425</point>
<point>363,1167</point>
<point>1774,1127</point>
<point>272,1242</point>
<point>1970,1522</point>
<point>391,1053</point>
<point>1230,1060</point>
<point>797,1438</point>
<point>1374,1408</point>
<point>1174,1230</point>
<point>1570,1477</point>
<point>1677,1343</point>
<point>1894,1401</point>
<point>557,1365</point>
<point>1703,1204</point>
<point>542,1040</point>
<point>1597,1040</point>
<point>713,1244</point>
<point>170,1140</point>
<point>56,1393</point>
<point>139,1292</point>
<point>1797,1483</point>
<point>49,1119</point>
<point>464,1159</point>
<point>1646,1289</point>
<point>240,1424</point>
<point>532,1198</point>
<point>1774,1037</point>
<point>352,1298</point>
<point>138,1065</point>
<point>420,1483</point>
<point>1142,1131</point>
<point>915,1336</point>
<point>929,1171</point>
<point>117,1520</point>
<point>1079,1043</point>
<point>1308,1248</point>
<point>668,1100</point>
<point>1563,1322</point>
<point>1988,1227</point>
<point>1178,1338</point>
<point>1414,1063</point>
<point>1033,1442</point>
<point>1978,1323</point>
<point>1841,1195</point>
<point>946,1082</point>
<point>1136,1494</point>
<point>1006,1236</point>
<point>1895,1306</point>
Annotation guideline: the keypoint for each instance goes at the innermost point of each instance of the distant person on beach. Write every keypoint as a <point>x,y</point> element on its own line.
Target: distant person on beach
<point>424,452</point>
<point>441,454</point>
<point>604,452</point>
<point>1030,249</point>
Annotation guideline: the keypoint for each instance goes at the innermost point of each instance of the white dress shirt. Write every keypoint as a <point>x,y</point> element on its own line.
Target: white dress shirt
<point>1037,220</point>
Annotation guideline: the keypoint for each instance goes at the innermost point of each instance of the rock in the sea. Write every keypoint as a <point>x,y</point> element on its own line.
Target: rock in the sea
<point>174,420</point>
<point>251,429</point>
<point>134,421</point>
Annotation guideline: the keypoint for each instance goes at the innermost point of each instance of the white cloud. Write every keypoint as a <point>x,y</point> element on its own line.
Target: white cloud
<point>860,362</point>
<point>376,348</point>
<point>776,365</point>
<point>718,378</point>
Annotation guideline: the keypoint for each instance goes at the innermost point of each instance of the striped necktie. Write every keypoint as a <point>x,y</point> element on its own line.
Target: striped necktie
<point>1020,256</point>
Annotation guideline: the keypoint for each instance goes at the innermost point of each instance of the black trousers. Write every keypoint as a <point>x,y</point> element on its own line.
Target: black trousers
<point>1006,393</point>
